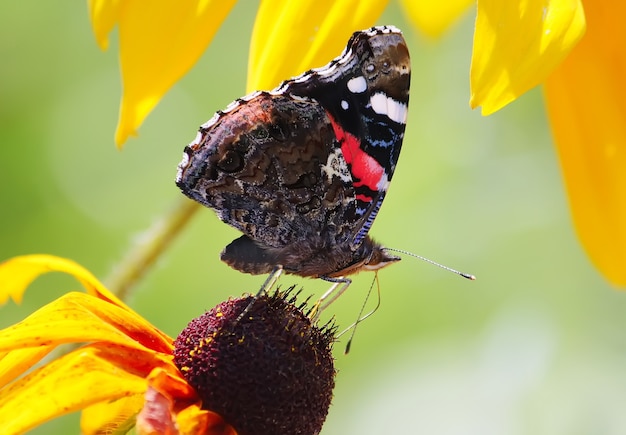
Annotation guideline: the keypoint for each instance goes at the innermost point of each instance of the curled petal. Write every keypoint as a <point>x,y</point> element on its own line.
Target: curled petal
<point>172,407</point>
<point>172,386</point>
<point>586,100</point>
<point>434,18</point>
<point>160,41</point>
<point>106,372</point>
<point>17,273</point>
<point>517,45</point>
<point>156,416</point>
<point>290,37</point>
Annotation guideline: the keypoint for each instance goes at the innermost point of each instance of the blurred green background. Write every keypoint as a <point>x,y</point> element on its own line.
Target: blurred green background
<point>535,346</point>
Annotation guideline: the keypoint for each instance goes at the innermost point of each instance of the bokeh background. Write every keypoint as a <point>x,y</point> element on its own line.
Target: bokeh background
<point>535,346</point>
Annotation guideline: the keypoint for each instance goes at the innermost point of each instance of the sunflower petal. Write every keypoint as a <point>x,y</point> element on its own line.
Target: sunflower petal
<point>317,31</point>
<point>18,361</point>
<point>17,273</point>
<point>586,100</point>
<point>517,45</point>
<point>159,42</point>
<point>78,318</point>
<point>74,381</point>
<point>434,18</point>
<point>104,14</point>
<point>111,417</point>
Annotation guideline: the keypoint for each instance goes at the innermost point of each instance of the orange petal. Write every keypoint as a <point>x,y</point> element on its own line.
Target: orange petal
<point>172,407</point>
<point>72,382</point>
<point>291,37</point>
<point>172,385</point>
<point>586,99</point>
<point>194,420</point>
<point>517,45</point>
<point>160,41</point>
<point>17,273</point>
<point>434,18</point>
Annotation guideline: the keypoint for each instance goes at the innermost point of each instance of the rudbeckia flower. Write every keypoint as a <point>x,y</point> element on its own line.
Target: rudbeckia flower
<point>574,47</point>
<point>268,371</point>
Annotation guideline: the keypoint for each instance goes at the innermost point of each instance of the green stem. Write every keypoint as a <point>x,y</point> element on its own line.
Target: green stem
<point>149,248</point>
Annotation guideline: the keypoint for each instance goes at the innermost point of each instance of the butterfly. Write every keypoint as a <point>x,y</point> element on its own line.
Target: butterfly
<point>302,170</point>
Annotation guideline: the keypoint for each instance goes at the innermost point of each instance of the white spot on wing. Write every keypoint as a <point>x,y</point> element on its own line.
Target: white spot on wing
<point>357,85</point>
<point>383,183</point>
<point>384,105</point>
<point>344,105</point>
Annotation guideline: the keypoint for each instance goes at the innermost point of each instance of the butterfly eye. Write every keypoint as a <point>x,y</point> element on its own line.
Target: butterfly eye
<point>231,161</point>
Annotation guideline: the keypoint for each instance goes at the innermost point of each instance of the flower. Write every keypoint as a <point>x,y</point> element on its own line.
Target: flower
<point>172,40</point>
<point>275,397</point>
<point>129,369</point>
<point>578,53</point>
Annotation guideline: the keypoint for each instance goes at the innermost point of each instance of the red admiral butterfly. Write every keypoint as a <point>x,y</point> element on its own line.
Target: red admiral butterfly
<point>302,170</point>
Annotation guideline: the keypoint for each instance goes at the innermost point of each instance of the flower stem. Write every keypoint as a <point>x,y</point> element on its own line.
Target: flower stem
<point>149,247</point>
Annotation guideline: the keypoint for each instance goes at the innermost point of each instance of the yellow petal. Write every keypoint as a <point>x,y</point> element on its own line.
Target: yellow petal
<point>18,361</point>
<point>160,41</point>
<point>517,45</point>
<point>80,318</point>
<point>72,382</point>
<point>108,417</point>
<point>291,37</point>
<point>586,99</point>
<point>434,18</point>
<point>104,14</point>
<point>17,273</point>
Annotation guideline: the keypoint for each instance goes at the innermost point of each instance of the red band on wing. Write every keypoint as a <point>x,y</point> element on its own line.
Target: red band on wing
<point>365,169</point>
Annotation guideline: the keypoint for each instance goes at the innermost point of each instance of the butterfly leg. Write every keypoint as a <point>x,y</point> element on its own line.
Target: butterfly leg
<point>265,288</point>
<point>340,284</point>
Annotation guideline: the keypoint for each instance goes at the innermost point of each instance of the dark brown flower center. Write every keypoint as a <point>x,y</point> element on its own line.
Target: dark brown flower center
<point>268,372</point>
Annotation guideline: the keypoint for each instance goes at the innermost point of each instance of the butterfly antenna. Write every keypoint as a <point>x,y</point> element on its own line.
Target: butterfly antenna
<point>359,318</point>
<point>434,263</point>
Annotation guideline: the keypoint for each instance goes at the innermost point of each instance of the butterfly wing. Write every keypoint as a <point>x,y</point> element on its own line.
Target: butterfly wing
<point>365,93</point>
<point>304,168</point>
